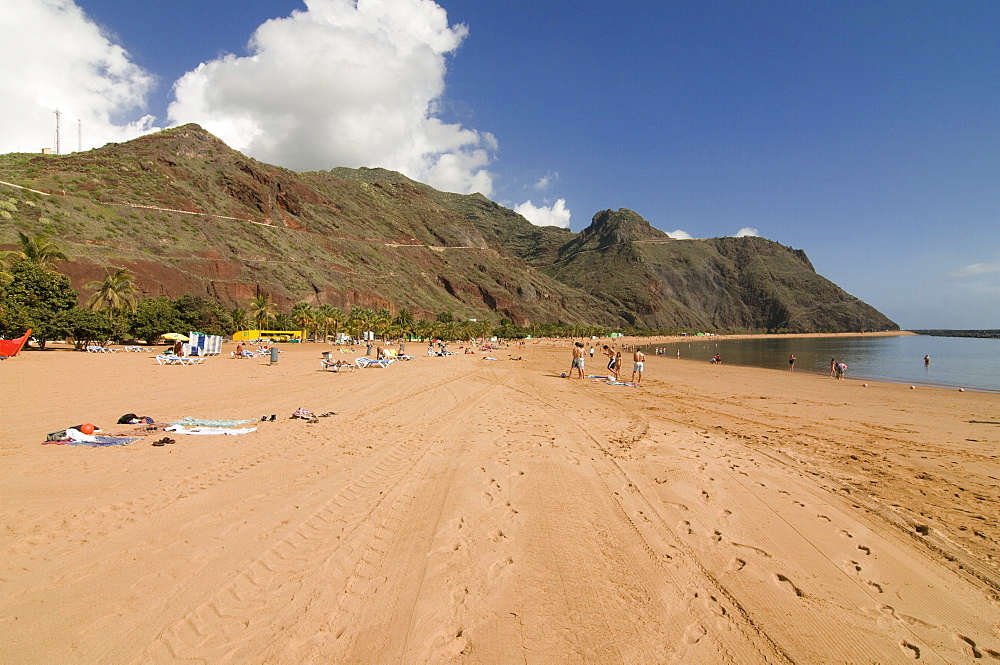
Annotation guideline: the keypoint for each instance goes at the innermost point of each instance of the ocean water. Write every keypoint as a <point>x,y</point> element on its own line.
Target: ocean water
<point>956,362</point>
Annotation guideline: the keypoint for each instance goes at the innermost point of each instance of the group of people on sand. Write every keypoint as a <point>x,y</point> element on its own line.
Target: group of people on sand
<point>614,362</point>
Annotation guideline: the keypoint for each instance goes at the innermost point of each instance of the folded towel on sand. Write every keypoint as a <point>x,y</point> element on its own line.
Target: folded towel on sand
<point>206,431</point>
<point>204,422</point>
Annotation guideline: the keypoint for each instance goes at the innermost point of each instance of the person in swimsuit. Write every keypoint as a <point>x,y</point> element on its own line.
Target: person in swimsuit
<point>577,359</point>
<point>638,360</point>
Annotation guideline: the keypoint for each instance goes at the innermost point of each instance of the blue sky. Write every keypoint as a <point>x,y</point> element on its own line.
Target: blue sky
<point>865,133</point>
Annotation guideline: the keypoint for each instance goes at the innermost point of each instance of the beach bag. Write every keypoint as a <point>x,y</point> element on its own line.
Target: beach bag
<point>127,419</point>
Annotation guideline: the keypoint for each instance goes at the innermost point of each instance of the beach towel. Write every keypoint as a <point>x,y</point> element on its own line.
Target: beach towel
<point>623,383</point>
<point>209,431</point>
<point>188,421</point>
<point>98,441</point>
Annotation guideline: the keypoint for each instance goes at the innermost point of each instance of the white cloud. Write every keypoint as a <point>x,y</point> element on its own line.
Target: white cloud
<point>343,83</point>
<point>680,235</point>
<point>555,215</point>
<point>746,231</point>
<point>54,56</point>
<point>975,269</point>
<point>545,181</point>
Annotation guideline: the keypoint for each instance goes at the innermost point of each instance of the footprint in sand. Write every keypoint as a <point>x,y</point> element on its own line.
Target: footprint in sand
<point>684,527</point>
<point>824,517</point>
<point>865,549</point>
<point>716,536</point>
<point>786,584</point>
<point>910,650</point>
<point>497,568</point>
<point>967,646</point>
<point>737,565</point>
<point>694,633</point>
<point>725,513</point>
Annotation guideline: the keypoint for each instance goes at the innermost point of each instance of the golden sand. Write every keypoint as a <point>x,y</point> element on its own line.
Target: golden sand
<point>458,510</point>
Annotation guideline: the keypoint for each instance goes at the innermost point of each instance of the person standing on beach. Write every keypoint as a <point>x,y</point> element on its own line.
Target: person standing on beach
<point>840,370</point>
<point>616,368</point>
<point>577,359</point>
<point>833,366</point>
<point>791,362</point>
<point>591,350</point>
<point>638,360</point>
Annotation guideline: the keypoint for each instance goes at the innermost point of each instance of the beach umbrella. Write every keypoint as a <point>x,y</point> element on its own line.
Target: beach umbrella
<point>176,336</point>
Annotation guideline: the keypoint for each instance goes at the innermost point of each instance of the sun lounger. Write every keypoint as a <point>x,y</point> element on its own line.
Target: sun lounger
<point>137,349</point>
<point>368,362</point>
<point>178,360</point>
<point>336,365</point>
<point>100,349</point>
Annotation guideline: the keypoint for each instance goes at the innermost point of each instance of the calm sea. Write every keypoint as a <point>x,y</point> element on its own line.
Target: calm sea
<point>956,362</point>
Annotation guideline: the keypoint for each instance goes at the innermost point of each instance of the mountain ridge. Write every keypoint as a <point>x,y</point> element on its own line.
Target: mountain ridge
<point>227,226</point>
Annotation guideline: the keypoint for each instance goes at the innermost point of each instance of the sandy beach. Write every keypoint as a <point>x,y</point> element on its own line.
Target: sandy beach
<point>459,510</point>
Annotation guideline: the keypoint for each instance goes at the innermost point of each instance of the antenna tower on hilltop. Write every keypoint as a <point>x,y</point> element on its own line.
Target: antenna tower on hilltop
<point>58,113</point>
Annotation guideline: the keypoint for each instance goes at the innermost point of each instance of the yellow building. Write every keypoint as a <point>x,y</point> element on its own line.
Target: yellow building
<point>273,335</point>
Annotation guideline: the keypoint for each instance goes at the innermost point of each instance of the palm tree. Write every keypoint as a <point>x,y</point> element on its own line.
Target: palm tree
<point>262,310</point>
<point>283,321</point>
<point>116,292</point>
<point>359,320</point>
<point>404,322</point>
<point>328,315</point>
<point>241,321</point>
<point>40,250</point>
<point>7,257</point>
<point>380,324</point>
<point>305,317</point>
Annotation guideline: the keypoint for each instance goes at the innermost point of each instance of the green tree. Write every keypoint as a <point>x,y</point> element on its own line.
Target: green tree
<point>40,250</point>
<point>116,293</point>
<point>86,326</point>
<point>283,321</point>
<point>304,316</point>
<point>327,316</point>
<point>240,319</point>
<point>359,321</point>
<point>36,298</point>
<point>7,257</point>
<point>154,317</point>
<point>202,315</point>
<point>262,310</point>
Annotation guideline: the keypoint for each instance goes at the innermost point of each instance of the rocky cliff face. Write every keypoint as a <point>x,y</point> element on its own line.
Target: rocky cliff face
<point>186,214</point>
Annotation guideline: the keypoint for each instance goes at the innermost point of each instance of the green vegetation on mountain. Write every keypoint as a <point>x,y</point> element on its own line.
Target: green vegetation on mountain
<point>185,214</point>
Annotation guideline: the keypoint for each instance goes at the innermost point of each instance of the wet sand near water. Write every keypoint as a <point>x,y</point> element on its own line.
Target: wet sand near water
<point>456,510</point>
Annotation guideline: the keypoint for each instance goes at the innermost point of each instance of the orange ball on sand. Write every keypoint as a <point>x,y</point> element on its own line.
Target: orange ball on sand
<point>87,429</point>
